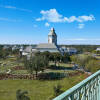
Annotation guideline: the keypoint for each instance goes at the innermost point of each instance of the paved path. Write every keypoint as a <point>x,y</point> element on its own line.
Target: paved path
<point>9,70</point>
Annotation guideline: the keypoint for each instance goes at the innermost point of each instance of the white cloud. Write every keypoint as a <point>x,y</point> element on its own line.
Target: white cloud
<point>10,20</point>
<point>80,26</point>
<point>15,8</point>
<point>47,24</point>
<point>53,16</point>
<point>85,18</point>
<point>72,19</point>
<point>10,7</point>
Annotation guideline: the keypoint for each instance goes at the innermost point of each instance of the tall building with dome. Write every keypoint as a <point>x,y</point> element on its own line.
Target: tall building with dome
<point>51,46</point>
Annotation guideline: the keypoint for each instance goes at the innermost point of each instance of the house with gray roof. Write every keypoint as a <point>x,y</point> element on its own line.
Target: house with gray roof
<point>47,47</point>
<point>27,50</point>
<point>98,49</point>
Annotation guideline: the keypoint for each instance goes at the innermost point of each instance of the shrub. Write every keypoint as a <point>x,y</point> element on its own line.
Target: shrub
<point>57,90</point>
<point>51,75</point>
<point>93,65</point>
<point>22,95</point>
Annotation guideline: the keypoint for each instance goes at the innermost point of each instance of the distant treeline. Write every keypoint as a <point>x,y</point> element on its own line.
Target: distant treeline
<point>83,48</point>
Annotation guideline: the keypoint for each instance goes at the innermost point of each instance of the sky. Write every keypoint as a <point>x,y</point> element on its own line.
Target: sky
<point>29,21</point>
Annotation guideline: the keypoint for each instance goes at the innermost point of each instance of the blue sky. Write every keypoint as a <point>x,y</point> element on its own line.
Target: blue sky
<point>29,21</point>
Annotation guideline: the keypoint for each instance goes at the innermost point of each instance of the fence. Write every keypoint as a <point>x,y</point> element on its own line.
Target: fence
<point>88,89</point>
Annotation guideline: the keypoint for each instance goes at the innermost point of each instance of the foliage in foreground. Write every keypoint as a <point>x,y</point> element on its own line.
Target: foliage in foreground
<point>22,95</point>
<point>57,90</point>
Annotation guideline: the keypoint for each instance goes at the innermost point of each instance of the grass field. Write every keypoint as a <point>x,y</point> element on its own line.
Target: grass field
<point>38,90</point>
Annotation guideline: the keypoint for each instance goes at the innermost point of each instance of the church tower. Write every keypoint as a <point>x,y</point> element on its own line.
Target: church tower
<point>52,37</point>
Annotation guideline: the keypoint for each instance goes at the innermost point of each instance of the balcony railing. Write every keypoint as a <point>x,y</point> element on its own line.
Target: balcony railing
<point>88,89</point>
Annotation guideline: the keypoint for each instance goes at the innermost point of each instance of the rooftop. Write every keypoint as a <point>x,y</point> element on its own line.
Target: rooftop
<point>47,45</point>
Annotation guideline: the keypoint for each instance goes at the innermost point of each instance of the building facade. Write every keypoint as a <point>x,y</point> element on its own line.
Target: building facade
<point>52,37</point>
<point>51,46</point>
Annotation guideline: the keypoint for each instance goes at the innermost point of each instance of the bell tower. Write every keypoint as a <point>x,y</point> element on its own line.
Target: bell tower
<point>52,37</point>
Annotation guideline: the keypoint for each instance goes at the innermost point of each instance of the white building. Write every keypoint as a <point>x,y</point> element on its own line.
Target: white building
<point>69,50</point>
<point>98,49</point>
<point>51,46</point>
<point>52,37</point>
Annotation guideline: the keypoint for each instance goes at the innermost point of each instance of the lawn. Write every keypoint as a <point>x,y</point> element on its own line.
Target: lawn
<point>38,90</point>
<point>65,65</point>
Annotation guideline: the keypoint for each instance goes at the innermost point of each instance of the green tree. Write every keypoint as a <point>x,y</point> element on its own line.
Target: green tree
<point>46,54</point>
<point>75,59</point>
<point>15,52</point>
<point>93,65</point>
<point>4,53</point>
<point>56,57</point>
<point>81,60</point>
<point>36,63</point>
<point>65,58</point>
<point>39,63</point>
